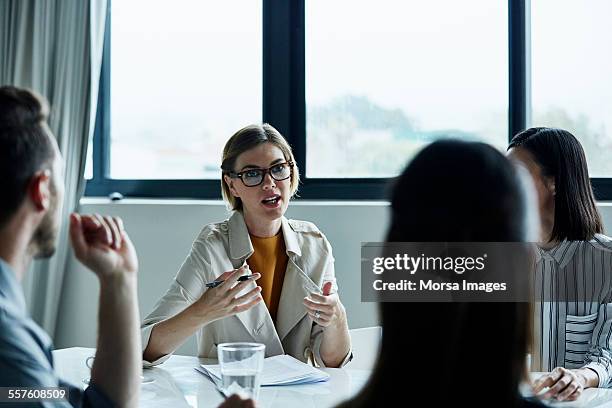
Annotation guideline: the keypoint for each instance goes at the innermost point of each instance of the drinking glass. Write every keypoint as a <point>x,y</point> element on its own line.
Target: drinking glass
<point>241,365</point>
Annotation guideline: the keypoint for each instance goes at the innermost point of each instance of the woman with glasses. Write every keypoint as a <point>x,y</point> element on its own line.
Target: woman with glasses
<point>278,283</point>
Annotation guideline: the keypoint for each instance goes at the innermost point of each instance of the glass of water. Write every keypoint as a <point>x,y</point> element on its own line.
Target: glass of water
<point>241,365</point>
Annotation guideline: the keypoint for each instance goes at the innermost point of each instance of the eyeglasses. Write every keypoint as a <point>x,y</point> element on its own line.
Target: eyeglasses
<point>254,177</point>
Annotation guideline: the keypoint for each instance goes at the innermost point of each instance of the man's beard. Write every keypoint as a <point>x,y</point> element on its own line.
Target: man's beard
<point>44,239</point>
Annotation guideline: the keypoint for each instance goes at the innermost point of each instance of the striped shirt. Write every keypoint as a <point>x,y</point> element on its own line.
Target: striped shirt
<point>573,319</point>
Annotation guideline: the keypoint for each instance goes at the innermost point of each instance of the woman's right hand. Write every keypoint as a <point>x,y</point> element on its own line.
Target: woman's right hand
<point>223,301</point>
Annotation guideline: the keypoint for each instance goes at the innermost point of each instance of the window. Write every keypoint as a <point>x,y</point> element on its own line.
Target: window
<point>89,162</point>
<point>184,77</point>
<point>571,66</point>
<point>357,87</point>
<point>383,79</point>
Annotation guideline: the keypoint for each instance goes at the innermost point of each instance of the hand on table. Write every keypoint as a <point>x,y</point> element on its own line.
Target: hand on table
<point>325,310</point>
<point>563,384</point>
<point>223,300</point>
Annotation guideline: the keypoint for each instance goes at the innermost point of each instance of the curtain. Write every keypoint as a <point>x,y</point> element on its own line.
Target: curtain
<point>55,48</point>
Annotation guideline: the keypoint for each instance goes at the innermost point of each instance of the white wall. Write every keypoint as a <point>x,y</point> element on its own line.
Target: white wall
<point>163,231</point>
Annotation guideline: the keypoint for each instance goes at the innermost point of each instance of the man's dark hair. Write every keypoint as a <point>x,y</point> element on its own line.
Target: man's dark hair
<point>560,155</point>
<point>25,145</point>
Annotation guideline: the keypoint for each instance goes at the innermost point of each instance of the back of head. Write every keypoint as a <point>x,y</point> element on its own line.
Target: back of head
<point>560,156</point>
<point>25,145</point>
<point>457,191</point>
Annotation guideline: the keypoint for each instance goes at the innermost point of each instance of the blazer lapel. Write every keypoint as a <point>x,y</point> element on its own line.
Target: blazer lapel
<point>240,247</point>
<point>297,286</point>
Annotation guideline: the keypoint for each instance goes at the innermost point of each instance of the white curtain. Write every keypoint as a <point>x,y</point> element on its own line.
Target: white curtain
<point>55,48</point>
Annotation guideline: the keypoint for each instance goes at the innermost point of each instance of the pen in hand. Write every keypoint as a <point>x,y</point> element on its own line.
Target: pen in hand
<point>216,283</point>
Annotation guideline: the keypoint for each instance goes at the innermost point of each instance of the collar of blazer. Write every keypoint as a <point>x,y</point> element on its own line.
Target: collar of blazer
<point>296,286</point>
<point>240,243</point>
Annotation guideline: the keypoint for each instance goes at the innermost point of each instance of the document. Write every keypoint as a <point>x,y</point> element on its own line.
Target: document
<point>277,370</point>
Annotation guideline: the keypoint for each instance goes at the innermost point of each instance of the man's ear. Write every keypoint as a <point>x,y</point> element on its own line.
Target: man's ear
<point>230,184</point>
<point>39,190</point>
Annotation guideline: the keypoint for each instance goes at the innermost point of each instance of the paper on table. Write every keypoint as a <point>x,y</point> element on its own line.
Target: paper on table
<point>277,370</point>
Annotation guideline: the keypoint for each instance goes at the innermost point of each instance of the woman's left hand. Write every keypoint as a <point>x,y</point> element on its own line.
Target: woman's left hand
<point>325,310</point>
<point>563,384</point>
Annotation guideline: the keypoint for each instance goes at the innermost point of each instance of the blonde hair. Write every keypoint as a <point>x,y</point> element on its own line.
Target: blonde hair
<point>246,139</point>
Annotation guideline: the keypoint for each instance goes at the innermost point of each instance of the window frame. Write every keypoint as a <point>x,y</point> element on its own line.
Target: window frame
<point>284,107</point>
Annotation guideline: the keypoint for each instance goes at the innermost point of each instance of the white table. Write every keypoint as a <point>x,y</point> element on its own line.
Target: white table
<point>176,384</point>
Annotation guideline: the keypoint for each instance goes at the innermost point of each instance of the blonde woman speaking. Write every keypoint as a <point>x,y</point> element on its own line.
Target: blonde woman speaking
<point>289,301</point>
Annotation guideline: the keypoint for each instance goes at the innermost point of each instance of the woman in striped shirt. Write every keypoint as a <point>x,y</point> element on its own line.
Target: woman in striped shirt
<point>573,312</point>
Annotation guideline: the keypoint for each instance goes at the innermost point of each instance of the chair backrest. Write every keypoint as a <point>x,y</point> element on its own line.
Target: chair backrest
<point>366,344</point>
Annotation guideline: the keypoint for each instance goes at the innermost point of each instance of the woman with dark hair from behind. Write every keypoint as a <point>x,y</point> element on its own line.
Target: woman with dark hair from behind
<point>572,327</point>
<point>455,354</point>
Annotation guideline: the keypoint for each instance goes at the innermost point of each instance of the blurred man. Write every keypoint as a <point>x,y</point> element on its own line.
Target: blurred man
<point>31,195</point>
<point>31,191</point>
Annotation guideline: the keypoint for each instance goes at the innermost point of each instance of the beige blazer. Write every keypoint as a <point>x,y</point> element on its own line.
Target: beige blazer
<point>224,246</point>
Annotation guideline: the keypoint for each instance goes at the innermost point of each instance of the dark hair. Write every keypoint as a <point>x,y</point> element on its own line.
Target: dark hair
<point>454,191</point>
<point>560,155</point>
<point>461,192</point>
<point>25,144</point>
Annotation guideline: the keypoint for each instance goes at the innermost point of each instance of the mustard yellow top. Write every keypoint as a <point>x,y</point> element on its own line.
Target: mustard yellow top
<point>270,260</point>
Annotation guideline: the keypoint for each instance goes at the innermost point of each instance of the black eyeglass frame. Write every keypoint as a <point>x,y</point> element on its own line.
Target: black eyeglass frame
<point>239,174</point>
